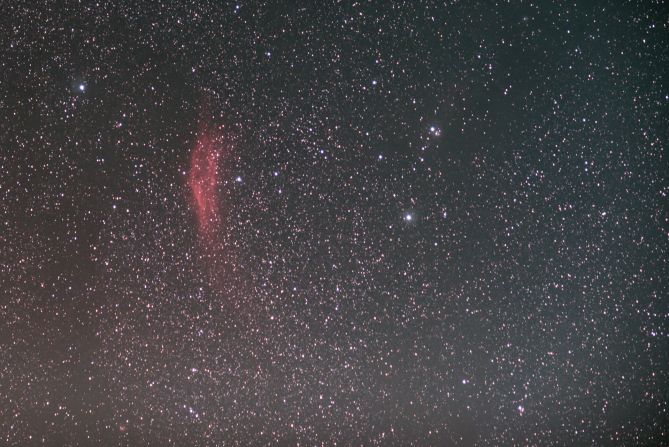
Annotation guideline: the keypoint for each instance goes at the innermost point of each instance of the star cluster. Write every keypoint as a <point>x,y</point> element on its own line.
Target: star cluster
<point>427,223</point>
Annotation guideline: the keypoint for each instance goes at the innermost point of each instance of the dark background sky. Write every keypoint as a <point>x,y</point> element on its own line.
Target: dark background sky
<point>441,223</point>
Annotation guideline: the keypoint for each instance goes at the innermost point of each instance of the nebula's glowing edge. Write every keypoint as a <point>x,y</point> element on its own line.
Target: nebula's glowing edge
<point>203,182</point>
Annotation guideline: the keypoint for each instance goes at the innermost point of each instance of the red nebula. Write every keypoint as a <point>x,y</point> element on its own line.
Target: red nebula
<point>203,182</point>
<point>205,190</point>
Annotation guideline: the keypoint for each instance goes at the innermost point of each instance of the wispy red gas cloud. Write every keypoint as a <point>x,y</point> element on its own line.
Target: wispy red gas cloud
<point>206,190</point>
<point>203,182</point>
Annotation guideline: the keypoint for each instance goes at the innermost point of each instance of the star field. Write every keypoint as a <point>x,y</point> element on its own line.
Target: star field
<point>334,223</point>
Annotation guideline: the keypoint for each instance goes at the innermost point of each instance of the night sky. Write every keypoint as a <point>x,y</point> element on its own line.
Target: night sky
<point>334,222</point>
